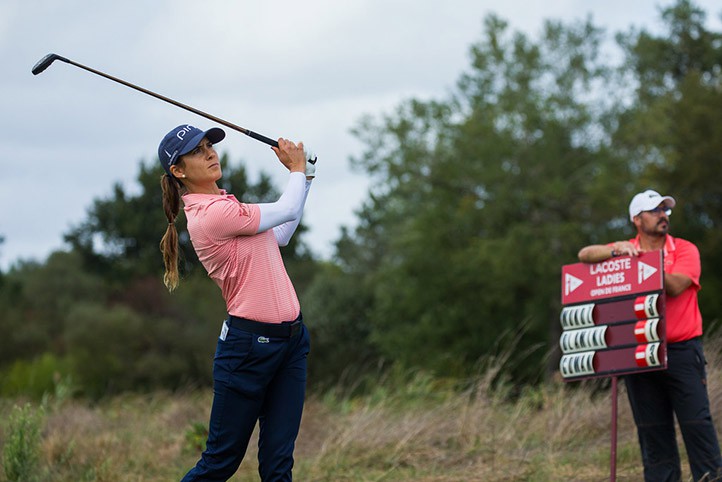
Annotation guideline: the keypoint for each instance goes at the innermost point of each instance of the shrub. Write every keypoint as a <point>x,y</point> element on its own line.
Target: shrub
<point>21,453</point>
<point>33,378</point>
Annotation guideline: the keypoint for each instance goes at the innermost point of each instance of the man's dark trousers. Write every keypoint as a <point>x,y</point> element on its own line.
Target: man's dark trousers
<point>681,390</point>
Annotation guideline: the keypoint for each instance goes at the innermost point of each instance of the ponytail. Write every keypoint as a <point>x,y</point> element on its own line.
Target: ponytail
<point>169,243</point>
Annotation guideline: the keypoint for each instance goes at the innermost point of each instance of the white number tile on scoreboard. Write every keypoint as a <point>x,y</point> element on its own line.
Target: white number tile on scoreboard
<point>577,364</point>
<point>578,316</point>
<point>583,339</point>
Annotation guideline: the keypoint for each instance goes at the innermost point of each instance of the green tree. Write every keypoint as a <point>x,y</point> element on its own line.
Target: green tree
<point>337,308</point>
<point>35,299</point>
<point>2,241</point>
<point>672,132</point>
<point>479,200</point>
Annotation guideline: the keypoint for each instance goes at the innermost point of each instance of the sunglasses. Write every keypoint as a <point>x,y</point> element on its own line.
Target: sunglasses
<point>660,209</point>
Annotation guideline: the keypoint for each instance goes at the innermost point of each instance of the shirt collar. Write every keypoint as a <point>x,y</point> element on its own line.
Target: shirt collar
<point>669,245</point>
<point>191,198</point>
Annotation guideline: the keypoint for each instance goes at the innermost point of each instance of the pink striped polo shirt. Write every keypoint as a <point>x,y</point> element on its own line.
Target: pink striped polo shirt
<point>246,265</point>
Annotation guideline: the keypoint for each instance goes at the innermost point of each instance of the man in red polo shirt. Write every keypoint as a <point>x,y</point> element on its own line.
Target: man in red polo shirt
<point>681,390</point>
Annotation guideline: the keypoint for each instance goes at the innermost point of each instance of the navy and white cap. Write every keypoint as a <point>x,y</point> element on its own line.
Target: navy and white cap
<point>182,140</point>
<point>649,199</point>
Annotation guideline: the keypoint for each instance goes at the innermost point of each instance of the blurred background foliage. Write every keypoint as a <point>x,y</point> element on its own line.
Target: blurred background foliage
<point>477,201</point>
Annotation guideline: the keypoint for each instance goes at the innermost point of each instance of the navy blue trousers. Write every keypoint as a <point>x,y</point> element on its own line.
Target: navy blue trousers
<point>681,390</point>
<point>255,379</point>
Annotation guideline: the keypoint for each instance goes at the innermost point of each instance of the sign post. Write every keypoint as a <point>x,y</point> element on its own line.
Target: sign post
<point>613,322</point>
<point>613,448</point>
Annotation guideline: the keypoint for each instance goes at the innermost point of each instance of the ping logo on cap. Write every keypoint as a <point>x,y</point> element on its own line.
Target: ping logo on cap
<point>183,131</point>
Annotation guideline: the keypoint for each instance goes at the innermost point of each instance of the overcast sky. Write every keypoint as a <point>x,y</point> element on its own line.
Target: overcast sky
<point>307,70</point>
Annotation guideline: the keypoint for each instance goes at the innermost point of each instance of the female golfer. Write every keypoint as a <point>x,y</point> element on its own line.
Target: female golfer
<point>259,370</point>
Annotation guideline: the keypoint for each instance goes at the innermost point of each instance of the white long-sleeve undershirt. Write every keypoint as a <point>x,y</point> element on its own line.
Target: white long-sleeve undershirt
<point>284,215</point>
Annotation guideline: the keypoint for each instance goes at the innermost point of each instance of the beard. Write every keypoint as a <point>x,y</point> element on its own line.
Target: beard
<point>659,229</point>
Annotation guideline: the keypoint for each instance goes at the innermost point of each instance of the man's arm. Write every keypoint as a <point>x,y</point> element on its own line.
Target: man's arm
<point>676,283</point>
<point>595,253</point>
<point>602,252</point>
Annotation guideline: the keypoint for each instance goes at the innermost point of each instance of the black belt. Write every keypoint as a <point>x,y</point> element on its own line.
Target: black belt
<point>287,329</point>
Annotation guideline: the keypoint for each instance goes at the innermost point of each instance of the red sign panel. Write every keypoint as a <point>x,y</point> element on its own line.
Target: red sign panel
<point>622,276</point>
<point>613,322</point>
<point>622,361</point>
<point>612,311</point>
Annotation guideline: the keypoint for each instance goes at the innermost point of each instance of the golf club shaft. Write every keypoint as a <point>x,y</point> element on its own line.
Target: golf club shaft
<point>46,61</point>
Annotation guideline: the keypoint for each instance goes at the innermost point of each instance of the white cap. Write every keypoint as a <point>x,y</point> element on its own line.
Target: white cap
<point>644,201</point>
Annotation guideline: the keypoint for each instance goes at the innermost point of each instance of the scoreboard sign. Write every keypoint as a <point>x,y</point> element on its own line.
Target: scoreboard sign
<point>615,277</point>
<point>613,317</point>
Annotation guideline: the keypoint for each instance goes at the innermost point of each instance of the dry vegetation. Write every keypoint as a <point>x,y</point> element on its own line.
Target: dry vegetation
<point>419,430</point>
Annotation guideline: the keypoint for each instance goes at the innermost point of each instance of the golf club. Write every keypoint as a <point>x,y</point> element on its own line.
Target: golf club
<point>45,62</point>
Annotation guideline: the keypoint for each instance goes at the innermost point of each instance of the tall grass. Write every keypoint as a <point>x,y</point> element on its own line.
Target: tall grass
<point>411,427</point>
<point>21,451</point>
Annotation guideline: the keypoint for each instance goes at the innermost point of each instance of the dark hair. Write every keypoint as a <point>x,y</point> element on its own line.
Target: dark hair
<point>169,243</point>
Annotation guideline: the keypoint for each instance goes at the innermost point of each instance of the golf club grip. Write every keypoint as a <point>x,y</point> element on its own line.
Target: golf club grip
<point>261,138</point>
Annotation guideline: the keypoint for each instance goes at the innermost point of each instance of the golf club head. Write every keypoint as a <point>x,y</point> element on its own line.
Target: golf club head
<point>45,62</point>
